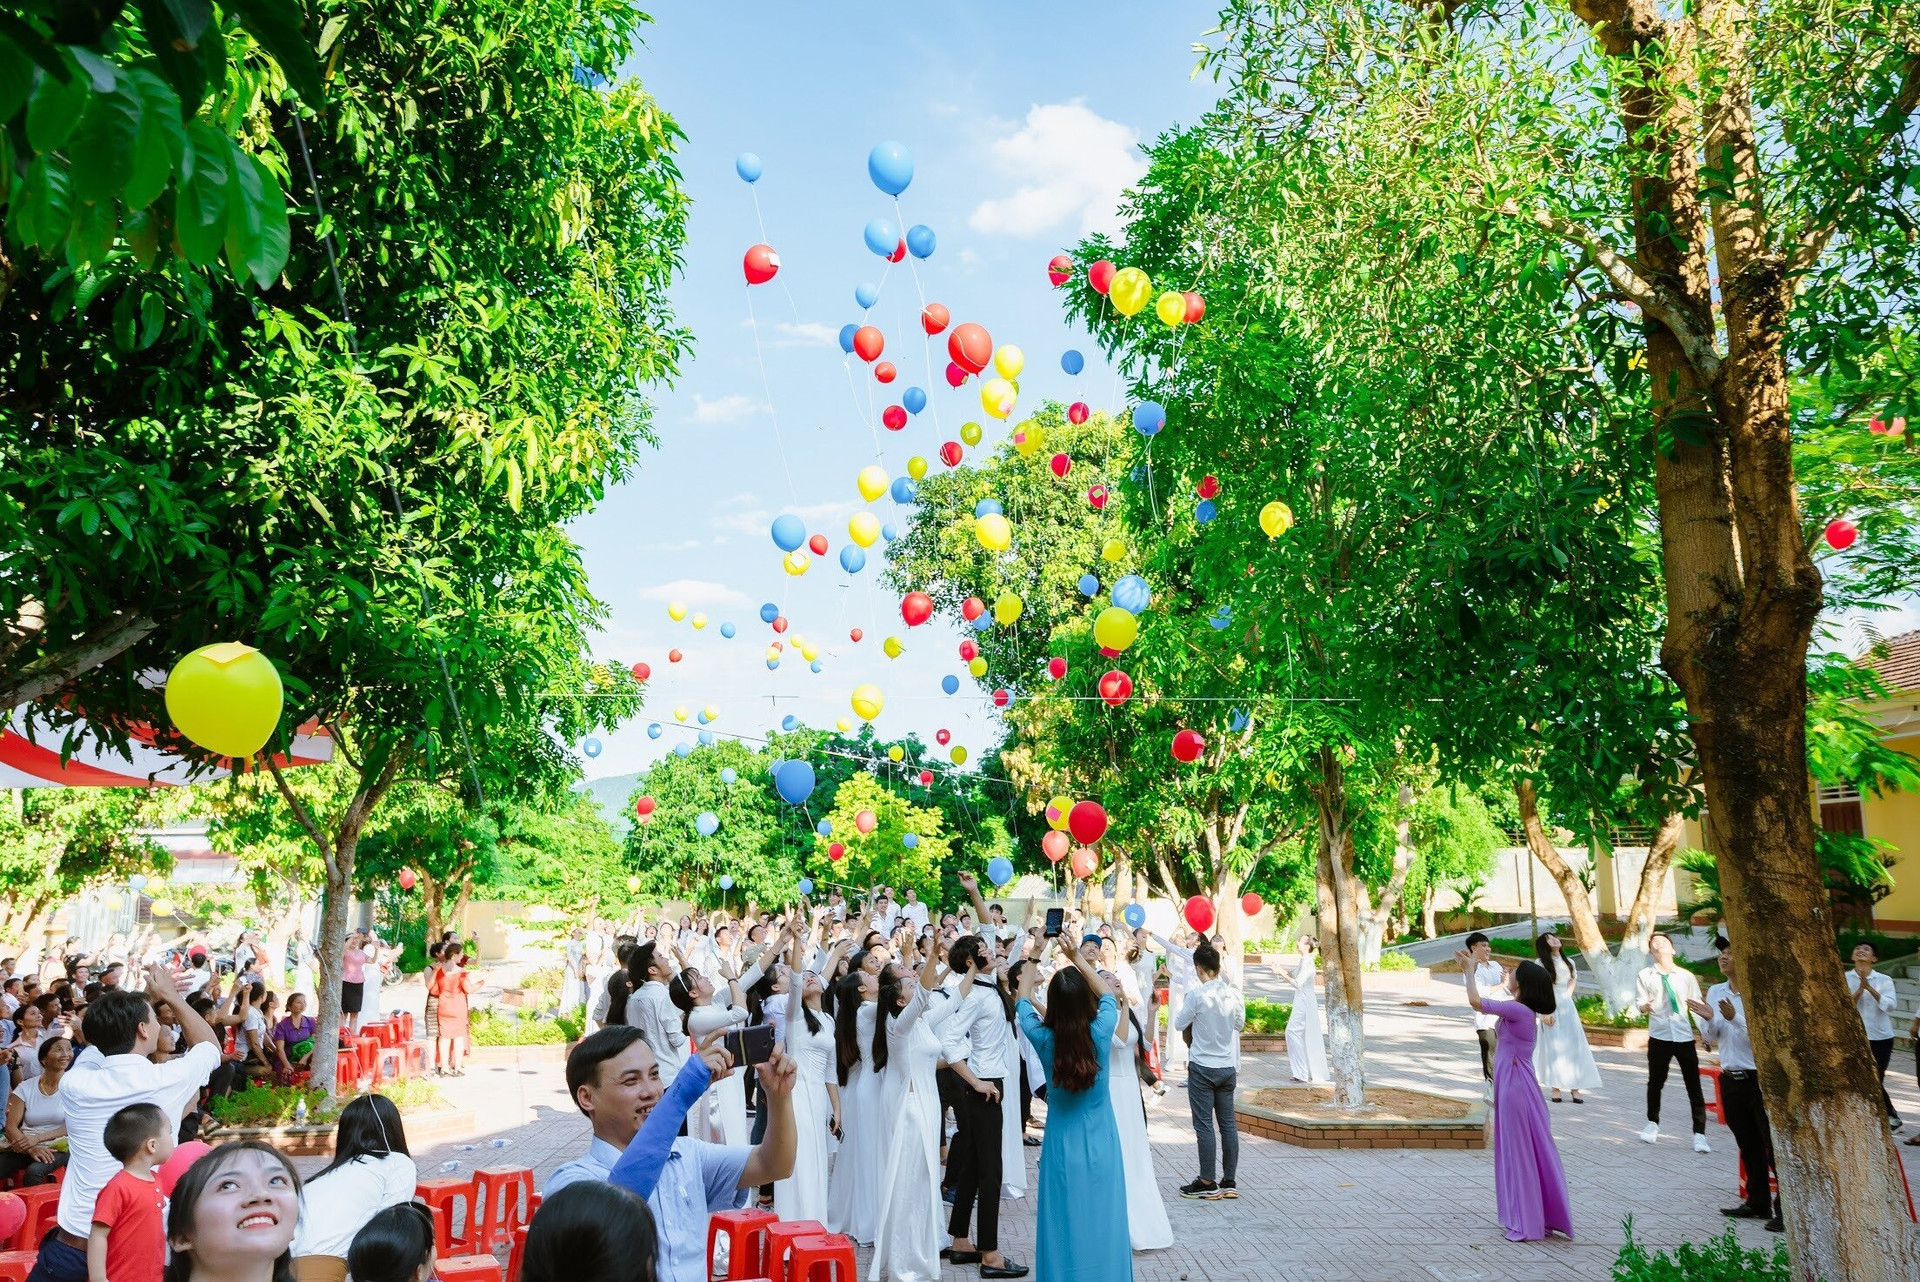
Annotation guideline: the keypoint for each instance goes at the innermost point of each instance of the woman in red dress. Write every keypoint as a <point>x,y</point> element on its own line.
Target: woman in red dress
<point>451,983</point>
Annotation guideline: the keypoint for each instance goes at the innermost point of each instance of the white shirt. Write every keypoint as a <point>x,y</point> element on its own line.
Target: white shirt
<point>41,1113</point>
<point>980,1023</point>
<point>1730,1035</point>
<point>1216,1012</point>
<point>915,912</point>
<point>96,1088</point>
<point>335,1207</point>
<point>1876,1010</point>
<point>1180,976</point>
<point>1663,1021</point>
<point>1491,979</point>
<point>885,921</point>
<point>651,1011</point>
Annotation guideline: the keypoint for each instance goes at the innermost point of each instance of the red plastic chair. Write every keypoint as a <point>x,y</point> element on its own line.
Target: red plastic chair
<point>503,1201</point>
<point>417,1062</point>
<point>346,1069</point>
<point>780,1240</point>
<point>747,1246</point>
<point>467,1268</point>
<point>441,1197</point>
<point>1718,1104</point>
<point>826,1257</point>
<point>15,1265</point>
<point>43,1207</point>
<point>406,1024</point>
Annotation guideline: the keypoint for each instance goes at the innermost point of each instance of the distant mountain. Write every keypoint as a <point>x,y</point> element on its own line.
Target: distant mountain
<point>610,796</point>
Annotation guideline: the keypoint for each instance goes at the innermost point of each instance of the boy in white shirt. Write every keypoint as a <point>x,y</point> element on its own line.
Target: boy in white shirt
<point>1665,993</point>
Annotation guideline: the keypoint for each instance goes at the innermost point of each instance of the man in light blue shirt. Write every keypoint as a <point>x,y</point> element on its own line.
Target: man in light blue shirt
<point>615,1079</point>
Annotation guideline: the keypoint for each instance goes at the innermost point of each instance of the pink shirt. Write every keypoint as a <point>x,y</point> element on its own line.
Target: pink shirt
<point>353,966</point>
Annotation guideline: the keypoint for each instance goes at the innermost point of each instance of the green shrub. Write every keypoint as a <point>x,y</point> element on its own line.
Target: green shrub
<point>1593,1010</point>
<point>546,979</point>
<point>1392,959</point>
<point>1267,1018</point>
<point>1890,946</point>
<point>573,1023</point>
<point>262,1105</point>
<point>490,1028</point>
<point>1721,1259</point>
<point>1513,947</point>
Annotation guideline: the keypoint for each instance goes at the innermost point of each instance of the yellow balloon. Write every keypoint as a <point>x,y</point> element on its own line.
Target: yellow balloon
<point>1057,811</point>
<point>679,714</point>
<point>867,702</point>
<point>796,562</point>
<point>1028,438</point>
<point>843,725</point>
<point>1008,608</point>
<point>713,713</point>
<point>1130,290</point>
<point>997,397</point>
<point>164,907</point>
<point>864,528</point>
<point>773,654</point>
<point>977,666</point>
<point>699,621</point>
<point>1115,629</point>
<point>1276,518</point>
<point>959,755</point>
<point>1009,361</point>
<point>633,885</point>
<point>809,653</point>
<point>1113,550</point>
<point>1171,308</point>
<point>970,432</point>
<point>896,752</point>
<point>893,647</point>
<point>994,531</point>
<point>677,611</point>
<point>872,481</point>
<point>226,698</point>
<point>917,467</point>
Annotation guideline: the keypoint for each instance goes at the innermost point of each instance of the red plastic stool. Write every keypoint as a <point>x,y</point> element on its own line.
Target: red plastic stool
<point>368,1047</point>
<point>441,1196</point>
<point>467,1268</point>
<point>780,1240</point>
<point>826,1257</point>
<point>15,1265</point>
<point>416,1053</point>
<point>442,1229</point>
<point>503,1201</point>
<point>393,1063</point>
<point>518,1255</point>
<point>1718,1104</point>
<point>346,1069</point>
<point>43,1206</point>
<point>746,1235</point>
<point>406,1024</point>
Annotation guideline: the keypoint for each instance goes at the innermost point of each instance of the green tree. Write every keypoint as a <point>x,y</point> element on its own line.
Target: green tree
<point>54,842</point>
<point>755,843</point>
<point>1455,840</point>
<point>880,856</point>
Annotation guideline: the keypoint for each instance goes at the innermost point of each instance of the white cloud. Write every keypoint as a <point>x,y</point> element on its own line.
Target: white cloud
<point>797,333</point>
<point>680,545</point>
<point>725,409</point>
<point>1069,166</point>
<point>695,592</point>
<point>758,520</point>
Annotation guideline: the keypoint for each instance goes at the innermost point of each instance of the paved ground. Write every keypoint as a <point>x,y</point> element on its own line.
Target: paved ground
<point>1314,1214</point>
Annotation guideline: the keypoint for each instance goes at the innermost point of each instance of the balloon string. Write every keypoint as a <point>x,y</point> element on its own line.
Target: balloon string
<point>766,386</point>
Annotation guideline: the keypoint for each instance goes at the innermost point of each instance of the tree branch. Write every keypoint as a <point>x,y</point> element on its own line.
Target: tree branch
<point>305,817</point>
<point>1813,241</point>
<point>52,672</point>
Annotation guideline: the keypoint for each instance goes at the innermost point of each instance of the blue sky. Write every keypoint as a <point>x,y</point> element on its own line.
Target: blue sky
<point>1023,132</point>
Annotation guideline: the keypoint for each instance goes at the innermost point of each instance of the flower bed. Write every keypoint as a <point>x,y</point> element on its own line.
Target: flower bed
<point>266,1113</point>
<point>1394,1117</point>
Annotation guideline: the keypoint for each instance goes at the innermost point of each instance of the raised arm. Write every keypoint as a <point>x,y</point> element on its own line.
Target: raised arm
<point>1467,967</point>
<point>639,1167</point>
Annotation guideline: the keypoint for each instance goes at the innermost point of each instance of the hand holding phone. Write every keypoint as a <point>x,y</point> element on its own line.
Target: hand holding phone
<point>1056,918</point>
<point>750,1045</point>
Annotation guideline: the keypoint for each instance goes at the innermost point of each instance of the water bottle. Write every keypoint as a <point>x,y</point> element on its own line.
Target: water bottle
<point>300,1112</point>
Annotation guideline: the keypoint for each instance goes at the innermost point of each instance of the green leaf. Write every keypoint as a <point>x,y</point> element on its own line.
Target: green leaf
<point>268,253</point>
<point>94,225</point>
<point>179,63</point>
<point>190,18</point>
<point>16,77</point>
<point>141,227</point>
<point>244,211</point>
<point>200,209</point>
<point>42,207</point>
<point>161,143</point>
<point>277,25</point>
<point>103,151</point>
<point>54,111</point>
<point>98,70</point>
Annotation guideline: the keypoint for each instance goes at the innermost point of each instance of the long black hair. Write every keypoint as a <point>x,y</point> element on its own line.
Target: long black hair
<point>963,952</point>
<point>1071,1007</point>
<point>369,1127</point>
<point>186,1200</point>
<point>1534,986</point>
<point>392,1245</point>
<point>680,993</point>
<point>893,986</point>
<point>846,1019</point>
<point>1549,961</point>
<point>591,1230</point>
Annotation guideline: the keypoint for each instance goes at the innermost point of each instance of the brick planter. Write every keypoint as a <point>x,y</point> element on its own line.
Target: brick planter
<point>1633,1039</point>
<point>423,1131</point>
<point>549,1054</point>
<point>1270,1113</point>
<point>1255,1043</point>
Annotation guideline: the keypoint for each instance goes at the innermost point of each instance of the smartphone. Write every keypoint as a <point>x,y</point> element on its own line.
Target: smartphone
<point>1056,918</point>
<point>750,1045</point>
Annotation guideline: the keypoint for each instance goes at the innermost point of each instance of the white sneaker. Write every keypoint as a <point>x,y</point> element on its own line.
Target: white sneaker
<point>1700,1143</point>
<point>1650,1132</point>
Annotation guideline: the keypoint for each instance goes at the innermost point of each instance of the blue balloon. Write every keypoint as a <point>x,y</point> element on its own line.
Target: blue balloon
<point>1089,585</point>
<point>982,623</point>
<point>950,683</point>
<point>773,767</point>
<point>772,664</point>
<point>1222,618</point>
<point>882,236</point>
<point>914,400</point>
<point>729,775</point>
<point>806,885</point>
<point>920,240</point>
<point>1204,511</point>
<point>866,295</point>
<point>702,717</point>
<point>706,738</point>
<point>890,165</point>
<point>987,507</point>
<point>1238,721</point>
<point>683,749</point>
<point>1149,417</point>
<point>789,532</point>
<point>591,747</point>
<point>847,332</point>
<point>706,823</point>
<point>902,490</point>
<point>789,722</point>
<point>769,612</point>
<point>1072,361</point>
<point>824,827</point>
<point>889,531</point>
<point>1134,915</point>
<point>727,630</point>
<point>814,666</point>
<point>910,840</point>
<point>794,782</point>
<point>999,870</point>
<point>653,730</point>
<point>853,558</point>
<point>1131,593</point>
<point>747,165</point>
<point>726,881</point>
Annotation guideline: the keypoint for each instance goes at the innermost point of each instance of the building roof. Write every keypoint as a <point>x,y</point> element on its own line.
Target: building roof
<point>1900,668</point>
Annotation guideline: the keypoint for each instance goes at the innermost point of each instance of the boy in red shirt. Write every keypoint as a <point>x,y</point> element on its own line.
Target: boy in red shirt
<point>129,1238</point>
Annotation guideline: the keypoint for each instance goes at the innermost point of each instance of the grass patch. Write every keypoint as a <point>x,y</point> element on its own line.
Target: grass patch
<point>1266,1018</point>
<point>1720,1259</point>
<point>260,1105</point>
<point>490,1028</point>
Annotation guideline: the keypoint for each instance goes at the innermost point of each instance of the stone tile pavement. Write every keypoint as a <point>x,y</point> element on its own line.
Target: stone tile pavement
<point>1315,1215</point>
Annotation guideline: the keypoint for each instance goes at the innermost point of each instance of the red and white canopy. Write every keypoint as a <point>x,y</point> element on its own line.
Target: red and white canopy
<point>28,763</point>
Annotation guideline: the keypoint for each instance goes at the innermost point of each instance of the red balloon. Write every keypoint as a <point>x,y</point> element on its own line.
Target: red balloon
<point>1097,495</point>
<point>1209,486</point>
<point>934,317</point>
<point>406,878</point>
<point>1084,863</point>
<point>894,417</point>
<point>1087,821</point>
<point>955,375</point>
<point>1059,270</point>
<point>942,736</point>
<point>885,372</point>
<point>641,672</point>
<point>818,544</point>
<point>761,264</point>
<point>1199,913</point>
<point>926,778</point>
<point>779,623</point>
<point>951,454</point>
<point>1077,412</point>
<point>778,647</point>
<point>970,346</point>
<point>1196,307</point>
<point>1116,687</point>
<point>1055,844</point>
<point>1061,465</point>
<point>856,634</point>
<point>899,252</point>
<point>1251,904</point>
<point>968,650</point>
<point>865,821</point>
<point>868,343</point>
<point>645,820</point>
<point>835,850</point>
<point>1841,534</point>
<point>165,1176</point>
<point>972,608</point>
<point>1101,275</point>
<point>1187,745</point>
<point>673,656</point>
<point>644,806</point>
<point>1056,667</point>
<point>1001,698</point>
<point>916,608</point>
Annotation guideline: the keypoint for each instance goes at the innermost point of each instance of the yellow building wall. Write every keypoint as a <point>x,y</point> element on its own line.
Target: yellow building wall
<point>1895,819</point>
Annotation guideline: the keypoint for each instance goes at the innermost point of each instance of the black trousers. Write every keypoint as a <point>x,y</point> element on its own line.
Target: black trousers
<point>1487,1036</point>
<point>1660,1053</point>
<point>1747,1119</point>
<point>1026,1099</point>
<point>973,1165</point>
<point>1882,1053</point>
<point>950,1088</point>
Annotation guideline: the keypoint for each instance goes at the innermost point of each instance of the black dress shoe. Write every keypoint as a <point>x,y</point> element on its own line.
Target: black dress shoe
<point>1011,1269</point>
<point>1031,1142</point>
<point>960,1257</point>
<point>1745,1212</point>
<point>1776,1225</point>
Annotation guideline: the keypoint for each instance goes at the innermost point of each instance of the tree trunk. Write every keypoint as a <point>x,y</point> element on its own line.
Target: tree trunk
<point>1375,922</point>
<point>1227,925</point>
<point>1427,930</point>
<point>433,898</point>
<point>1580,914</point>
<point>465,897</point>
<point>1337,890</point>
